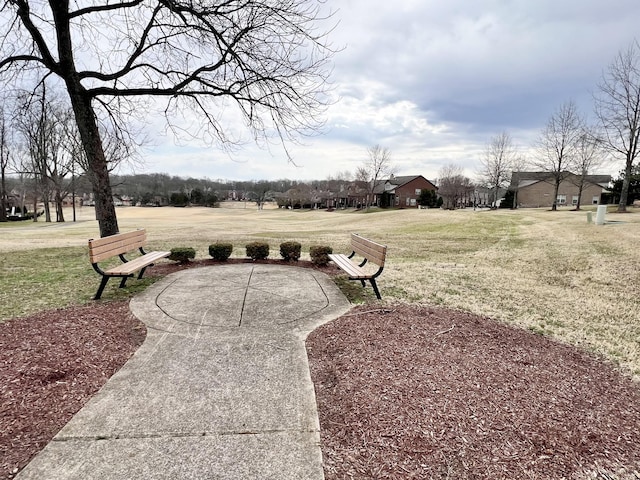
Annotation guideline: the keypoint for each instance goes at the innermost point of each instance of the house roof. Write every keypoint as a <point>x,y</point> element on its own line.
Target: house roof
<point>398,181</point>
<point>525,179</point>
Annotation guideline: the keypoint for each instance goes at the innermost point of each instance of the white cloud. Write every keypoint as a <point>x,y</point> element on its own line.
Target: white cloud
<point>433,81</point>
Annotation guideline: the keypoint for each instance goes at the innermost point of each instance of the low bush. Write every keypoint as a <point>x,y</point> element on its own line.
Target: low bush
<point>220,251</point>
<point>257,250</point>
<point>320,254</point>
<point>290,251</point>
<point>182,254</point>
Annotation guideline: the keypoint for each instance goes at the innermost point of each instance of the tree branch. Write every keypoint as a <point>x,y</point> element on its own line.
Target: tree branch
<point>24,15</point>
<point>21,58</point>
<point>104,8</point>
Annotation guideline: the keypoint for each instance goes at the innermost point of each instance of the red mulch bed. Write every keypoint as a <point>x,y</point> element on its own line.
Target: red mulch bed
<point>403,392</point>
<point>409,392</point>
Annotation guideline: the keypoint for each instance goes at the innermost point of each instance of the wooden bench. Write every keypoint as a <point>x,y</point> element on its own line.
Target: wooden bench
<point>369,252</point>
<point>101,249</point>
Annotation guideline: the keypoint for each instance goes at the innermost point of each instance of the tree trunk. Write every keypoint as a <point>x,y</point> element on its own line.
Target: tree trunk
<point>554,205</point>
<point>624,194</point>
<point>47,210</point>
<point>98,170</point>
<point>59,211</point>
<point>580,189</point>
<point>3,196</point>
<point>86,121</point>
<point>35,207</point>
<point>46,199</point>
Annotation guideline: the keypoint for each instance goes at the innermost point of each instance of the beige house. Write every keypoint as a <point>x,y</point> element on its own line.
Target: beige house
<point>535,189</point>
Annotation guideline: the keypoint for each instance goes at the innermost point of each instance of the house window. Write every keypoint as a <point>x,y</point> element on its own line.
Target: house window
<point>595,200</point>
<point>561,200</point>
<point>408,201</point>
<point>574,200</point>
<point>418,192</point>
<point>413,202</point>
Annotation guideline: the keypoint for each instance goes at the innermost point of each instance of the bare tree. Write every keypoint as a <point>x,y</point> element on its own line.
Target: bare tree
<point>268,59</point>
<point>4,162</point>
<point>589,156</point>
<point>61,161</point>
<point>499,158</point>
<point>453,186</point>
<point>376,167</point>
<point>557,144</point>
<point>43,123</point>
<point>519,165</point>
<point>31,125</point>
<point>617,106</point>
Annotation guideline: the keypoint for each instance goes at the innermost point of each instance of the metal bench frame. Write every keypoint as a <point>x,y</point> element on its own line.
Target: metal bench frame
<point>101,249</point>
<point>370,252</point>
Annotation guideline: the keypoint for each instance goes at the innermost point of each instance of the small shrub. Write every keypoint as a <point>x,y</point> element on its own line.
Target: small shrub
<point>290,251</point>
<point>220,251</point>
<point>320,254</point>
<point>182,254</point>
<point>257,250</point>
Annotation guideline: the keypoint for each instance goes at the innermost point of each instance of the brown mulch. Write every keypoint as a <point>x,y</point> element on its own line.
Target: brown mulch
<point>409,392</point>
<point>402,391</point>
<point>51,363</point>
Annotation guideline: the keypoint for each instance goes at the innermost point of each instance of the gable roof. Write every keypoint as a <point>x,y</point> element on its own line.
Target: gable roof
<point>390,184</point>
<point>525,179</point>
<point>401,180</point>
<point>404,179</point>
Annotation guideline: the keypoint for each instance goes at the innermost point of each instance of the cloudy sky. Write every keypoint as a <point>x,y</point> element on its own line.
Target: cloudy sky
<point>433,81</point>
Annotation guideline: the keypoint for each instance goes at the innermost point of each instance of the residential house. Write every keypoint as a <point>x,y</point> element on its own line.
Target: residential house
<point>536,189</point>
<point>402,191</point>
<point>351,196</point>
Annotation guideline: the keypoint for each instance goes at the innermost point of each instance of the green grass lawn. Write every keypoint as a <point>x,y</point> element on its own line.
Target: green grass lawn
<point>550,272</point>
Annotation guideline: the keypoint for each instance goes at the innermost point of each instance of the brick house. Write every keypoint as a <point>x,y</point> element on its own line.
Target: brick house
<point>403,191</point>
<point>535,189</point>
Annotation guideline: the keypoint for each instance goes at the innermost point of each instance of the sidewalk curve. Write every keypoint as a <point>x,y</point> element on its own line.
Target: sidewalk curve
<point>220,389</point>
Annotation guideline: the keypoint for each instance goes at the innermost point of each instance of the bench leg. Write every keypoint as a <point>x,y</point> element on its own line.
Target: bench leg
<point>375,288</point>
<point>363,284</point>
<point>103,283</point>
<point>123,282</point>
<point>142,271</point>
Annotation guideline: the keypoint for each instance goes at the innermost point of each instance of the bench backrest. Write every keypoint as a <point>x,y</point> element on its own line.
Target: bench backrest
<point>107,247</point>
<point>372,251</point>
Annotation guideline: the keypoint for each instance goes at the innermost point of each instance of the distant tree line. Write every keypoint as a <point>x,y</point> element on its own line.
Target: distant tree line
<point>164,189</point>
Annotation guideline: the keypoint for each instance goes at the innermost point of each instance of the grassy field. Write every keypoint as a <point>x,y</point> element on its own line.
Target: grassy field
<point>550,272</point>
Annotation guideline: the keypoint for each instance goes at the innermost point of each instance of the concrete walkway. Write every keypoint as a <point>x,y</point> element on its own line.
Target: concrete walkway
<point>220,389</point>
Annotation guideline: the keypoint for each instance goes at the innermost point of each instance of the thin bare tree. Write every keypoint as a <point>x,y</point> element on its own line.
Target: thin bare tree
<point>453,186</point>
<point>617,106</point>
<point>376,167</point>
<point>5,155</point>
<point>557,145</point>
<point>519,165</point>
<point>497,163</point>
<point>268,59</point>
<point>43,124</point>
<point>589,156</point>
<point>32,125</point>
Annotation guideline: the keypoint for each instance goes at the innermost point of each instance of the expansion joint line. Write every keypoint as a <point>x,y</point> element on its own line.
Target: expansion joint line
<point>244,299</point>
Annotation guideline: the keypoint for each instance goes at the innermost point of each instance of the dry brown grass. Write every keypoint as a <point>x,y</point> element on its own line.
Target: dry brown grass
<point>550,272</point>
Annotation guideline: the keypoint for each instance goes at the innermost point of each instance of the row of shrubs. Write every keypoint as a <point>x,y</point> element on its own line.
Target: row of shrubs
<point>289,251</point>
